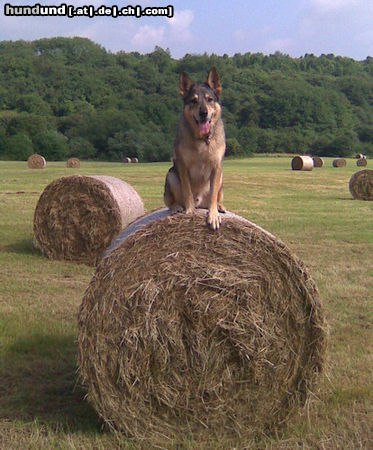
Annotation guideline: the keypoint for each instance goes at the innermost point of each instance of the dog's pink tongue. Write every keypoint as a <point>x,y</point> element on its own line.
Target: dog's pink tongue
<point>204,128</point>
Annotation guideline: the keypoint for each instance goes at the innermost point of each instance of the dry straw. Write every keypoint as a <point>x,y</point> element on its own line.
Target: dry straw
<point>77,217</point>
<point>361,185</point>
<point>36,161</point>
<point>302,163</point>
<point>362,162</point>
<point>189,333</point>
<point>73,163</point>
<point>317,161</point>
<point>339,162</point>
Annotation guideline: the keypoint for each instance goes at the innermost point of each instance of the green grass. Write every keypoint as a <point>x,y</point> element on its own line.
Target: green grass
<point>41,402</point>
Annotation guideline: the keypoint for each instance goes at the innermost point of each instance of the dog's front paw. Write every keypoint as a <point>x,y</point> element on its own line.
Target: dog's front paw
<point>213,219</point>
<point>176,209</point>
<point>222,208</point>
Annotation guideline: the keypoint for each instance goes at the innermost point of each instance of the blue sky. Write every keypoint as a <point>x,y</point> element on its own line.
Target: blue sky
<point>294,27</point>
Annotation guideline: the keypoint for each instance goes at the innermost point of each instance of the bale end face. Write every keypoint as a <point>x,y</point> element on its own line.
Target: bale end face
<point>73,163</point>
<point>36,162</point>
<point>317,161</point>
<point>185,332</point>
<point>362,162</point>
<point>77,217</point>
<point>361,185</point>
<point>304,163</point>
<point>339,162</point>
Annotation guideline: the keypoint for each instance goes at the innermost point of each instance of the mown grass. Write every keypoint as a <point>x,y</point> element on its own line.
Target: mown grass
<point>41,402</point>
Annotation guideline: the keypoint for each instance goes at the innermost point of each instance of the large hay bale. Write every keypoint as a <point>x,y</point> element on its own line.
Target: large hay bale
<point>127,160</point>
<point>73,163</point>
<point>339,162</point>
<point>36,161</point>
<point>361,185</point>
<point>134,160</point>
<point>359,156</point>
<point>302,163</point>
<point>362,162</point>
<point>188,332</point>
<point>317,161</point>
<point>77,217</point>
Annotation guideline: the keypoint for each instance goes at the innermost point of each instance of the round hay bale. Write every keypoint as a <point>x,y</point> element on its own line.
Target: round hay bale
<point>302,163</point>
<point>77,217</point>
<point>359,156</point>
<point>317,161</point>
<point>127,160</point>
<point>362,162</point>
<point>339,162</point>
<point>36,161</point>
<point>73,163</point>
<point>361,185</point>
<point>134,160</point>
<point>185,332</point>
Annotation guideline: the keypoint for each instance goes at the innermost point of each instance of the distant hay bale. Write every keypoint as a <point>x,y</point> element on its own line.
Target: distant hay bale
<point>362,162</point>
<point>339,162</point>
<point>127,160</point>
<point>77,217</point>
<point>189,333</point>
<point>317,161</point>
<point>302,163</point>
<point>134,160</point>
<point>359,156</point>
<point>361,185</point>
<point>36,161</point>
<point>73,163</point>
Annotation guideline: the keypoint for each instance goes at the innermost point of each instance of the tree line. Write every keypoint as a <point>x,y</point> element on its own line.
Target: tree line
<point>65,97</point>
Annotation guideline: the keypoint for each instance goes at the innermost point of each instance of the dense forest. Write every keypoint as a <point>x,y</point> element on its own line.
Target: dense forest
<point>65,97</point>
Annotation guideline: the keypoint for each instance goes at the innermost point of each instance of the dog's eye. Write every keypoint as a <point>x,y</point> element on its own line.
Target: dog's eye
<point>210,99</point>
<point>195,100</point>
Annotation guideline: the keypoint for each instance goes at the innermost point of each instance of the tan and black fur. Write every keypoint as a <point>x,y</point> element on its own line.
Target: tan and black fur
<point>195,180</point>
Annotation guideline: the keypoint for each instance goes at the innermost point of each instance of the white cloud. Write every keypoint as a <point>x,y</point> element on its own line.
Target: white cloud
<point>179,26</point>
<point>330,6</point>
<point>181,20</point>
<point>281,45</point>
<point>148,37</point>
<point>342,27</point>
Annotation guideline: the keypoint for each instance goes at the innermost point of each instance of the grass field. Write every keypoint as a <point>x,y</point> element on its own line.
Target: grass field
<point>41,404</point>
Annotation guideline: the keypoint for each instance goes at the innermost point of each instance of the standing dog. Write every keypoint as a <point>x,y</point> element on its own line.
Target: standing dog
<point>195,180</point>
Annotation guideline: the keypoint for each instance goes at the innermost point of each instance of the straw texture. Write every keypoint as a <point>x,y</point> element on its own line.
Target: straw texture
<point>302,163</point>
<point>361,185</point>
<point>317,161</point>
<point>77,217</point>
<point>185,332</point>
<point>362,162</point>
<point>73,163</point>
<point>36,161</point>
<point>339,162</point>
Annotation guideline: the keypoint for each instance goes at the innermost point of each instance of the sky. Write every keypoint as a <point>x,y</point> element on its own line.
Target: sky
<point>293,27</point>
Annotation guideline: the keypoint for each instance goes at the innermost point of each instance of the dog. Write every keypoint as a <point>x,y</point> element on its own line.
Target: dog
<point>195,180</point>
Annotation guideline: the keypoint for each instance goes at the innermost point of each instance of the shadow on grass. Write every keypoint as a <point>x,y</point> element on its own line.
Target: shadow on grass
<point>39,380</point>
<point>25,247</point>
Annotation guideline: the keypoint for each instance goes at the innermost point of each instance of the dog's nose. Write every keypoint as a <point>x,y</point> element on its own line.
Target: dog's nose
<point>203,114</point>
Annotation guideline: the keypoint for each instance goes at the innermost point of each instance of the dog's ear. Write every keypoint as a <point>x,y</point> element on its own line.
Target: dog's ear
<point>185,84</point>
<point>213,81</point>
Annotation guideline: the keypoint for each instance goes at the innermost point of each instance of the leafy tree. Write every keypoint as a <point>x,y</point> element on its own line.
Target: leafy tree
<point>82,148</point>
<point>233,148</point>
<point>52,145</point>
<point>17,147</point>
<point>69,96</point>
